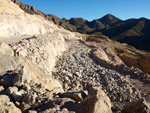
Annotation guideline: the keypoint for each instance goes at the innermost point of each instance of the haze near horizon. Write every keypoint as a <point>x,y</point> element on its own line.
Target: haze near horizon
<point>93,9</point>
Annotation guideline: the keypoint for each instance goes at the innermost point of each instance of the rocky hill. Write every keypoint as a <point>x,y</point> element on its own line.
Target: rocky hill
<point>58,71</point>
<point>73,24</point>
<point>134,32</point>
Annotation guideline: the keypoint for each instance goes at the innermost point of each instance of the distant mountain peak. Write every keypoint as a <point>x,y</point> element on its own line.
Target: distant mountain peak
<point>109,16</point>
<point>78,19</point>
<point>109,19</point>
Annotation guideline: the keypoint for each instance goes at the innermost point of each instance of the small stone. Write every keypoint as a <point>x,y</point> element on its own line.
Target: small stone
<point>22,52</point>
<point>29,98</point>
<point>66,86</point>
<point>26,87</point>
<point>18,95</point>
<point>24,106</point>
<point>17,103</point>
<point>11,90</point>
<point>78,74</point>
<point>32,111</point>
<point>1,89</point>
<point>4,98</point>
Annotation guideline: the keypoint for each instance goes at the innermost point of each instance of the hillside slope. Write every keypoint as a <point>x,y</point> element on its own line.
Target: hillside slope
<point>135,33</point>
<point>58,71</point>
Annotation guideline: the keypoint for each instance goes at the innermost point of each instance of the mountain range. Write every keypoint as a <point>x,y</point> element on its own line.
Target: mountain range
<point>135,32</point>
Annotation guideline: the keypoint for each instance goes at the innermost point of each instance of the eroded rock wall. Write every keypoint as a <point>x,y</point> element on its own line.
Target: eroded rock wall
<point>15,22</point>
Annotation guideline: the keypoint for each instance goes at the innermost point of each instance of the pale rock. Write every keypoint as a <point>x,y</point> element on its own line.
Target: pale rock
<point>29,98</point>
<point>26,87</point>
<point>22,52</point>
<point>1,89</point>
<point>98,102</point>
<point>66,86</point>
<point>106,56</point>
<point>4,98</point>
<point>67,35</point>
<point>78,74</point>
<point>15,22</point>
<point>13,8</point>
<point>40,76</point>
<point>32,111</point>
<point>77,96</point>
<point>11,90</point>
<point>139,106</point>
<point>8,63</point>
<point>18,95</point>
<point>22,76</point>
<point>6,49</point>
<point>9,107</point>
<point>6,106</point>
<point>24,106</point>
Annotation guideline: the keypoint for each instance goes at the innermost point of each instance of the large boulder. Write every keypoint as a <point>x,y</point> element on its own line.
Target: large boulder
<point>18,77</point>
<point>96,102</point>
<point>18,95</point>
<point>8,63</point>
<point>11,90</point>
<point>77,96</point>
<point>6,106</point>
<point>22,76</point>
<point>4,98</point>
<point>139,106</point>
<point>5,49</point>
<point>40,76</point>
<point>140,61</point>
<point>106,56</point>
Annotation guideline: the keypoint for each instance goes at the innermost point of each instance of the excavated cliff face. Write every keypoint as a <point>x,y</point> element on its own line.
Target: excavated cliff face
<point>15,22</point>
<point>41,50</point>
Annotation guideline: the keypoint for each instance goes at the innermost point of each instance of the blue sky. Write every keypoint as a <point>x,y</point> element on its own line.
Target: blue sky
<point>93,9</point>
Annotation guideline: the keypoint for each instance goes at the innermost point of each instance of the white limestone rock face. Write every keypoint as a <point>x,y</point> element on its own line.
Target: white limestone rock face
<point>15,22</point>
<point>9,7</point>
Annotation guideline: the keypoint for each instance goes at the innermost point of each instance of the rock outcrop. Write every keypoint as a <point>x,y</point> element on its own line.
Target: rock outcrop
<point>139,60</point>
<point>97,102</point>
<point>5,49</point>
<point>106,56</point>
<point>139,106</point>
<point>7,106</point>
<point>15,22</point>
